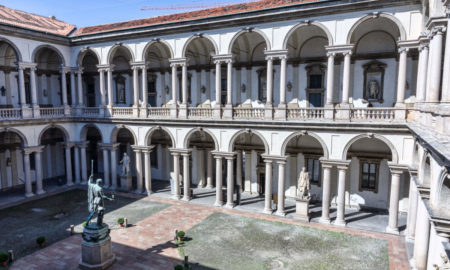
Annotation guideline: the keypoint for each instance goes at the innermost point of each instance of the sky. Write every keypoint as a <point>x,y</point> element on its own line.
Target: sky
<point>94,12</point>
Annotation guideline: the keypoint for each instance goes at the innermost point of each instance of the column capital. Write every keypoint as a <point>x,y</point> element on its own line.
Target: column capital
<point>31,149</point>
<point>69,144</point>
<point>274,54</point>
<point>25,65</point>
<point>105,68</point>
<point>178,152</point>
<point>423,47</point>
<point>340,49</point>
<point>397,168</point>
<point>403,50</point>
<point>227,155</point>
<point>83,144</point>
<point>222,58</point>
<point>174,62</point>
<point>65,69</point>
<point>270,158</point>
<point>142,148</point>
<point>438,30</point>
<point>331,54</point>
<point>105,146</point>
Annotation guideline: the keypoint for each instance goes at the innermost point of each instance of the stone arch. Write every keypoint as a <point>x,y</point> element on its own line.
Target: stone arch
<point>443,188</point>
<point>376,136</point>
<point>153,129</point>
<point>163,42</point>
<point>51,47</point>
<point>206,36</point>
<point>248,131</point>
<point>306,24</point>
<point>18,133</point>
<point>85,128</point>
<point>116,130</point>
<point>302,133</point>
<point>114,48</point>
<point>61,128</point>
<point>390,17</point>
<point>192,131</point>
<point>425,169</point>
<point>13,45</point>
<point>83,52</point>
<point>243,31</point>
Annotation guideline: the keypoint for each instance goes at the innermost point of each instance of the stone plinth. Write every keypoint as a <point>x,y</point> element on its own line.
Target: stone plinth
<point>126,182</point>
<point>302,209</point>
<point>96,252</point>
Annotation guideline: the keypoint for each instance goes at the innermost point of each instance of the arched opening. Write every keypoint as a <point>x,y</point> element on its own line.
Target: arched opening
<point>306,59</point>
<point>54,155</point>
<point>426,172</point>
<point>11,161</point>
<point>122,79</point>
<point>91,80</point>
<point>250,65</point>
<point>444,192</point>
<point>9,85</point>
<point>93,137</point>
<point>200,52</point>
<point>375,63</point>
<point>125,139</point>
<point>161,161</point>
<point>158,74</point>
<point>49,80</point>
<point>415,158</point>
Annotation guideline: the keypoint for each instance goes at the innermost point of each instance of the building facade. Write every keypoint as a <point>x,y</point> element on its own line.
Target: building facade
<point>241,97</point>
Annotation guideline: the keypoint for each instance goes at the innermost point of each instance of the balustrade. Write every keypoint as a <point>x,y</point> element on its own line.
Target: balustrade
<point>90,111</point>
<point>200,112</point>
<point>122,112</point>
<point>52,112</point>
<point>373,114</point>
<point>305,113</point>
<point>10,113</point>
<point>158,112</point>
<point>248,113</point>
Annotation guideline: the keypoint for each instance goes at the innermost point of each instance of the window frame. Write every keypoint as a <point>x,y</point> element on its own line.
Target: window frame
<point>315,69</point>
<point>314,157</point>
<point>377,163</point>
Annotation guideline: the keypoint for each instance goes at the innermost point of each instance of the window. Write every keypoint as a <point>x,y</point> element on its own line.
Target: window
<point>315,90</point>
<point>151,90</point>
<point>369,175</point>
<point>315,81</point>
<point>223,92</point>
<point>313,167</point>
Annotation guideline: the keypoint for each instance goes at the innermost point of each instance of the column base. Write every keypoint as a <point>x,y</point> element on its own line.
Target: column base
<point>71,184</point>
<point>324,220</point>
<point>267,211</point>
<point>229,205</point>
<point>392,230</point>
<point>175,197</point>
<point>138,191</point>
<point>228,111</point>
<point>40,192</point>
<point>218,204</point>
<point>29,195</point>
<point>340,223</point>
<point>280,213</point>
<point>186,198</point>
<point>149,192</point>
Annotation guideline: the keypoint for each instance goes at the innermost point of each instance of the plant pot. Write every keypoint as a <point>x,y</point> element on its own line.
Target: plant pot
<point>121,225</point>
<point>180,239</point>
<point>42,245</point>
<point>4,263</point>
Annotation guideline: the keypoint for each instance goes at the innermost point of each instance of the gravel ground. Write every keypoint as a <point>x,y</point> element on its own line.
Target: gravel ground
<point>52,216</point>
<point>225,241</point>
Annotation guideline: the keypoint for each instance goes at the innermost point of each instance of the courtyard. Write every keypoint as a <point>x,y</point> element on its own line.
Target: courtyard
<point>217,238</point>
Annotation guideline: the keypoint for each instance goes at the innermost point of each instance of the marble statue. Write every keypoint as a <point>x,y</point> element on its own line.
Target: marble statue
<point>96,200</point>
<point>125,164</point>
<point>303,185</point>
<point>374,89</point>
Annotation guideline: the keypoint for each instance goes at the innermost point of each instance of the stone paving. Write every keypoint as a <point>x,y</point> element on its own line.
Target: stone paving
<point>148,244</point>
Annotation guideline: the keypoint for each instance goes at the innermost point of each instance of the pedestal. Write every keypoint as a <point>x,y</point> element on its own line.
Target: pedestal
<point>96,252</point>
<point>302,209</point>
<point>126,182</point>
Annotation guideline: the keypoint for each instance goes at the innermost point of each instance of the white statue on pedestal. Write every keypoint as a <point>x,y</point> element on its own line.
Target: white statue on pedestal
<point>303,185</point>
<point>125,164</point>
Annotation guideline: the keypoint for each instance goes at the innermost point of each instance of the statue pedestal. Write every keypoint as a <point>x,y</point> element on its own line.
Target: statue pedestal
<point>302,209</point>
<point>126,182</point>
<point>96,252</point>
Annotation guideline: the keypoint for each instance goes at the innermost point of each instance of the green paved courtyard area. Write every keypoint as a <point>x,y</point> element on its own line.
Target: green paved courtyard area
<point>224,241</point>
<point>52,216</point>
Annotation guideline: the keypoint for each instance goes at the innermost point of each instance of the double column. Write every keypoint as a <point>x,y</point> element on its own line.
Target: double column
<point>37,151</point>
<point>228,108</point>
<point>422,70</point>
<point>280,112</point>
<point>137,67</point>
<point>229,157</point>
<point>175,63</point>
<point>28,112</point>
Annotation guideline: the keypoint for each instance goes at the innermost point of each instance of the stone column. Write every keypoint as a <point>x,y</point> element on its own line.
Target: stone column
<point>422,73</point>
<point>80,86</point>
<point>110,86</point>
<point>174,84</point>
<point>106,166</point>
<point>436,60</point>
<point>69,164</point>
<point>330,78</point>
<point>113,153</point>
<point>184,83</point>
<point>229,82</point>
<point>33,87</point>
<point>209,170</point>
<point>445,98</point>
<point>269,86</point>
<point>218,82</point>
<point>76,156</point>
<point>326,190</point>
<point>422,239</point>
<point>283,79</point>
<point>140,181</point>
<point>23,100</point>
<point>26,164</point>
<point>239,169</point>
<point>84,172</point>
<point>230,182</point>
<point>144,86</point>
<point>37,158</point>
<point>268,188</point>
<point>102,87</point>
<point>346,77</point>
<point>64,86</point>
<point>219,195</point>
<point>401,82</point>
<point>248,172</point>
<point>340,217</point>
<point>176,171</point>
<point>281,180</point>
<point>186,178</point>
<point>412,210</point>
<point>148,171</point>
<point>393,201</point>
<point>73,89</point>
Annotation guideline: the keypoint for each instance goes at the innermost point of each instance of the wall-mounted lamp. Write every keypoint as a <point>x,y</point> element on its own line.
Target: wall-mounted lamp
<point>289,86</point>
<point>243,88</point>
<point>3,91</point>
<point>167,89</point>
<point>203,89</point>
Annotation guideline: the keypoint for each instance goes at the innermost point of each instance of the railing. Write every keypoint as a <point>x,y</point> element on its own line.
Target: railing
<point>122,111</point>
<point>200,112</point>
<point>90,111</point>
<point>305,113</point>
<point>52,112</point>
<point>158,112</point>
<point>248,113</point>
<point>10,113</point>
<point>373,114</point>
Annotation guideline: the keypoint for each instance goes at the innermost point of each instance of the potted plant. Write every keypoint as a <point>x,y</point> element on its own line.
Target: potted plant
<point>180,235</point>
<point>41,241</point>
<point>179,267</point>
<point>121,221</point>
<point>4,257</point>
